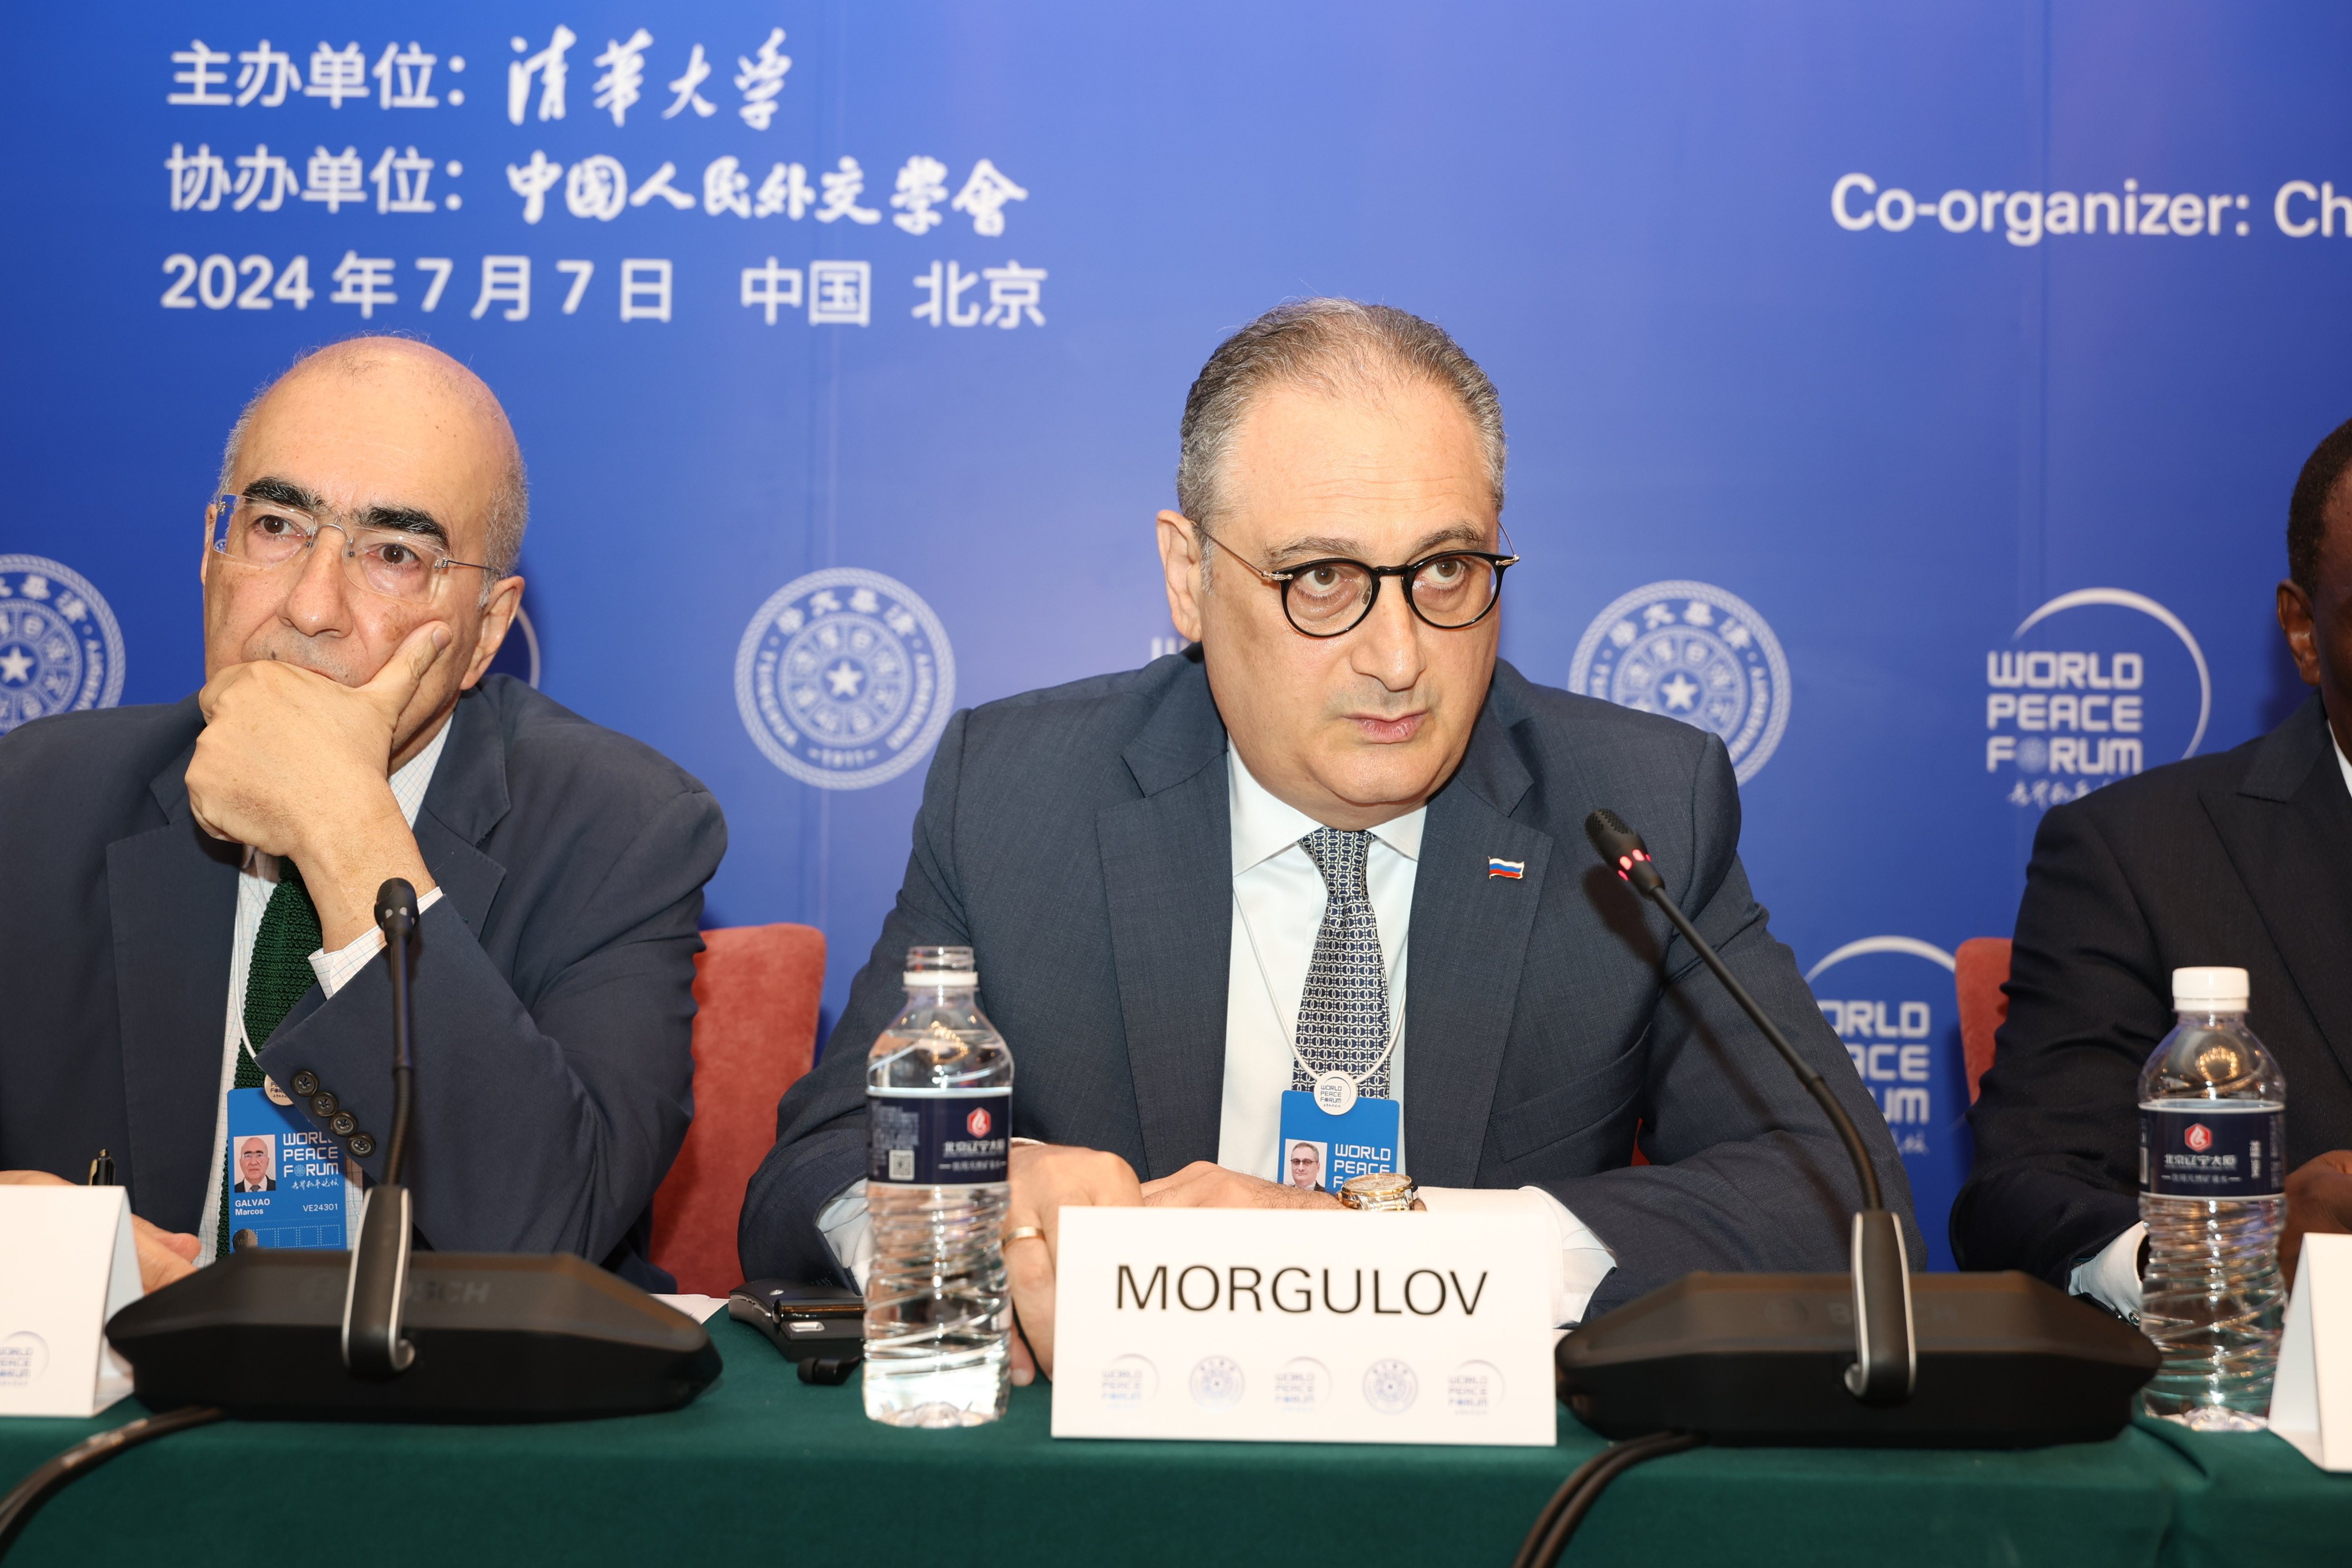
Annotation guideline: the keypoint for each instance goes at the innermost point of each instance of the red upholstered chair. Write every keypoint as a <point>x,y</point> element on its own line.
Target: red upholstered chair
<point>1980,969</point>
<point>756,990</point>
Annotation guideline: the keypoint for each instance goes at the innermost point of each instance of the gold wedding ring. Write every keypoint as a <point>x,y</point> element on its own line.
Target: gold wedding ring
<point>1024,1233</point>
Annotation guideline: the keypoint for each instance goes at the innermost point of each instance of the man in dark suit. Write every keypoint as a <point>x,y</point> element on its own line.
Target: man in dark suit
<point>191,888</point>
<point>2243,860</point>
<point>1191,888</point>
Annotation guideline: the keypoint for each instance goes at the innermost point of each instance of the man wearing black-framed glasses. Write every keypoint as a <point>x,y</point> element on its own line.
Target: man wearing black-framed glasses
<point>1325,872</point>
<point>188,949</point>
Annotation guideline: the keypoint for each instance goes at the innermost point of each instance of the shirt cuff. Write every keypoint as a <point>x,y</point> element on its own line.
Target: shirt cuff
<point>848,1231</point>
<point>335,969</point>
<point>2113,1275</point>
<point>1585,1260</point>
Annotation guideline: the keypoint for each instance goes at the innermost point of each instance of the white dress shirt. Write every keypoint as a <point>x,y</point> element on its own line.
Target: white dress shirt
<point>2113,1273</point>
<point>255,884</point>
<point>1279,900</point>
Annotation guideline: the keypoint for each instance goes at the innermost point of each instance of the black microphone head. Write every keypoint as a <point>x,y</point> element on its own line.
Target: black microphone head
<point>396,907</point>
<point>1610,835</point>
<point>1622,849</point>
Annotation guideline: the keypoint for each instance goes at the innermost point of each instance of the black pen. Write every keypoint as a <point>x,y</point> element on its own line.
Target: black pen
<point>102,1170</point>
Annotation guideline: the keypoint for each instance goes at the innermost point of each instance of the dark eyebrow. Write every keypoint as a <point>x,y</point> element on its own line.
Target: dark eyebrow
<point>406,519</point>
<point>281,492</point>
<point>1325,545</point>
<point>397,519</point>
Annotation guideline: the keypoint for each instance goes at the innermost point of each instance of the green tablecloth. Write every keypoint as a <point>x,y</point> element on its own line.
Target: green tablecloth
<point>781,1473</point>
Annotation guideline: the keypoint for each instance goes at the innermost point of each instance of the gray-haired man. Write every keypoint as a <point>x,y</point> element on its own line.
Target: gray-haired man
<point>1336,846</point>
<point>191,886</point>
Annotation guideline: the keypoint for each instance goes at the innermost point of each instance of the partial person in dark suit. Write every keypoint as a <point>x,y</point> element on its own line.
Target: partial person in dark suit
<point>2243,861</point>
<point>1188,885</point>
<point>191,887</point>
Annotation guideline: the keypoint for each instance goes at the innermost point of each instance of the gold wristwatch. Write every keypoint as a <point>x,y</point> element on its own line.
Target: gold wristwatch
<point>1381,1191</point>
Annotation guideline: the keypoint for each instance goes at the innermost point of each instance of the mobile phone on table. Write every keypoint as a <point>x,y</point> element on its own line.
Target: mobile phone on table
<point>820,1323</point>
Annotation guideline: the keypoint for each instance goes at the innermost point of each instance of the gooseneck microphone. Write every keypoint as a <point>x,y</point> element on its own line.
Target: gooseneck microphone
<point>1872,1356</point>
<point>377,1287</point>
<point>1885,1367</point>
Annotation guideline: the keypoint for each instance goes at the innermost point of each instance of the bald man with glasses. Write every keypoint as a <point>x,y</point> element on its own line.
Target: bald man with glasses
<point>192,886</point>
<point>1334,852</point>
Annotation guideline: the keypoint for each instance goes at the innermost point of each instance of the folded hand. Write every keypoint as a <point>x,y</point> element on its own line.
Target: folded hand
<point>2318,1198</point>
<point>1047,1178</point>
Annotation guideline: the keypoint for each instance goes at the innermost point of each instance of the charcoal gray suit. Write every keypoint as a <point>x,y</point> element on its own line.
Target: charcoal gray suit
<point>1077,839</point>
<point>552,993</point>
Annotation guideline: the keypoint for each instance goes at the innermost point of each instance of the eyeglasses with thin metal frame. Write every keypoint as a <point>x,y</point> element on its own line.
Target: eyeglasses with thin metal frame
<point>1331,596</point>
<point>267,534</point>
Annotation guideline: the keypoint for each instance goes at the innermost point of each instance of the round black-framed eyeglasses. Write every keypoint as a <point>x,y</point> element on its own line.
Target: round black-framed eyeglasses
<point>1452,590</point>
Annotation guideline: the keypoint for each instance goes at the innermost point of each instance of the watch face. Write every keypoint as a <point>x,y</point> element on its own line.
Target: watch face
<point>1378,1185</point>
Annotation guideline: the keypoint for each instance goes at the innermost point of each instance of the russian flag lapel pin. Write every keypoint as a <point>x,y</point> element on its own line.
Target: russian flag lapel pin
<point>1514,870</point>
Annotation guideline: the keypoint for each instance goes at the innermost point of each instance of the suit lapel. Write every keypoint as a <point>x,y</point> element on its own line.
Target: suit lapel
<point>1465,949</point>
<point>2288,830</point>
<point>1167,884</point>
<point>171,896</point>
<point>172,901</point>
<point>467,799</point>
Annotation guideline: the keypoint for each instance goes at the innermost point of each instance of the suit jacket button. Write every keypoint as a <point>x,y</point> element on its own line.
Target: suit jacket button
<point>323,1103</point>
<point>304,1083</point>
<point>362,1144</point>
<point>343,1123</point>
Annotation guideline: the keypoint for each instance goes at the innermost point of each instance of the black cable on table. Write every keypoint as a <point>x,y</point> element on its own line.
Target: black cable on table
<point>16,1510</point>
<point>1584,1488</point>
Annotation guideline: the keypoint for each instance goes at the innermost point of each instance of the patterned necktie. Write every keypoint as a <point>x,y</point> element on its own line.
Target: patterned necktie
<point>1343,1014</point>
<point>275,980</point>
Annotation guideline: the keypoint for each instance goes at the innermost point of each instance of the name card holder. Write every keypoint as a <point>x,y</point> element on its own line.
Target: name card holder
<point>71,1265</point>
<point>2311,1403</point>
<point>1282,1326</point>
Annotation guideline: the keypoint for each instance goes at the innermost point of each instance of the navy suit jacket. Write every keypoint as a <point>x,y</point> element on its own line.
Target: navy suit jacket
<point>552,993</point>
<point>2237,859</point>
<point>1077,839</point>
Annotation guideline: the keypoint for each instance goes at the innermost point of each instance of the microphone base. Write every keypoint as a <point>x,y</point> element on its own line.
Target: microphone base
<point>2004,1362</point>
<point>499,1338</point>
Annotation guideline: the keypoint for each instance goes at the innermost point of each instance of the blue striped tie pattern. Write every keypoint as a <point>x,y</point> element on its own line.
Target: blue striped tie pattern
<point>1343,1014</point>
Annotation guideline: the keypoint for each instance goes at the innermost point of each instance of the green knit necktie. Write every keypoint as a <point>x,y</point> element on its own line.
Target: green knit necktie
<point>276,979</point>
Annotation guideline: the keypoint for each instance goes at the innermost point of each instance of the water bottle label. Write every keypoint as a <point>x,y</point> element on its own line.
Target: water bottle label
<point>928,1141</point>
<point>2208,1151</point>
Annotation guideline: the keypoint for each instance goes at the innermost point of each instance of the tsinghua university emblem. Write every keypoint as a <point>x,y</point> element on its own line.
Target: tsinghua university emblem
<point>59,648</point>
<point>844,678</point>
<point>1693,652</point>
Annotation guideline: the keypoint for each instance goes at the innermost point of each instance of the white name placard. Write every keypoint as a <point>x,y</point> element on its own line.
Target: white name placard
<point>1277,1326</point>
<point>2311,1403</point>
<point>66,1265</point>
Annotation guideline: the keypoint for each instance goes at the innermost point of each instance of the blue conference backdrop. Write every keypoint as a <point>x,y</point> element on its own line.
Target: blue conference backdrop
<point>1908,394</point>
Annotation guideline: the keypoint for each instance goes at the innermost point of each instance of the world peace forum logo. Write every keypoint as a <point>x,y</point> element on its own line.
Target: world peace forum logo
<point>844,678</point>
<point>1693,652</point>
<point>60,649</point>
<point>2089,691</point>
<point>1886,1011</point>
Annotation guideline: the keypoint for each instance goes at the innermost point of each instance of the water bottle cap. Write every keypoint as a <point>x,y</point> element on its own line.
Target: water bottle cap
<point>940,979</point>
<point>2209,990</point>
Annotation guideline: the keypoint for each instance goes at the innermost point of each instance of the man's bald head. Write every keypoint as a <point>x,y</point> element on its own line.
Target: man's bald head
<point>467,398</point>
<point>373,435</point>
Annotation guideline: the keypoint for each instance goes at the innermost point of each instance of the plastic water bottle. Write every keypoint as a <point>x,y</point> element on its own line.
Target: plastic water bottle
<point>938,1103</point>
<point>2212,1183</point>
